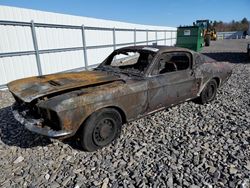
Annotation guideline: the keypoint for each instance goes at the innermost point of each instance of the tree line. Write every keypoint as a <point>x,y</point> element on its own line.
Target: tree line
<point>242,25</point>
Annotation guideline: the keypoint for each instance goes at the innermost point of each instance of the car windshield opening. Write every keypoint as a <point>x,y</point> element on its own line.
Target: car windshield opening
<point>130,61</point>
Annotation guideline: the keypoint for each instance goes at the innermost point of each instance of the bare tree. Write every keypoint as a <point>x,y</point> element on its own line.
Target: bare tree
<point>242,25</point>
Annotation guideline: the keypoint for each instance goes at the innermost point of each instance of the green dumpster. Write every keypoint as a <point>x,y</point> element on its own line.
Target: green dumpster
<point>190,37</point>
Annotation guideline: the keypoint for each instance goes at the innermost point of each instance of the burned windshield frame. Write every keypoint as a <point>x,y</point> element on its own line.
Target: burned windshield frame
<point>133,68</point>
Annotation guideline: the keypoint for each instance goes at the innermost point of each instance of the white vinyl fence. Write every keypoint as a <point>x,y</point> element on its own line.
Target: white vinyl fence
<point>29,48</point>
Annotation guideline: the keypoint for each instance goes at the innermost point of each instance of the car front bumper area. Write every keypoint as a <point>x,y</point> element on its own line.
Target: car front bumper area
<point>37,125</point>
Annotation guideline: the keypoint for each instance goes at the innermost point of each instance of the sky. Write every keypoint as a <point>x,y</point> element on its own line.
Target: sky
<point>150,12</point>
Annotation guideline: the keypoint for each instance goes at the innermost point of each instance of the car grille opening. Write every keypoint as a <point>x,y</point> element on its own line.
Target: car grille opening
<point>50,118</point>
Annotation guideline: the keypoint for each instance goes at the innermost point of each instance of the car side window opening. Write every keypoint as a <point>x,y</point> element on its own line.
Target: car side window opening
<point>198,59</point>
<point>174,61</point>
<point>136,61</point>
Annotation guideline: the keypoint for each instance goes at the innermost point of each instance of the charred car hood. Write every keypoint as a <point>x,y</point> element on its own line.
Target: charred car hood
<point>28,89</point>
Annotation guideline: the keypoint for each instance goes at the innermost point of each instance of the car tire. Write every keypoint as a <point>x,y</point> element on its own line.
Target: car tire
<point>100,129</point>
<point>209,92</point>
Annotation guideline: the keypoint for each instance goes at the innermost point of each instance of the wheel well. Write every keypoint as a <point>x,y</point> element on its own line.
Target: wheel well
<point>121,112</point>
<point>217,81</point>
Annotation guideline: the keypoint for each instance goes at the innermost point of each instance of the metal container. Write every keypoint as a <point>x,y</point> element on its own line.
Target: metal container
<point>190,37</point>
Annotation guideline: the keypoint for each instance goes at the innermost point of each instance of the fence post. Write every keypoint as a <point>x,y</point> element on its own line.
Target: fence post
<point>147,36</point>
<point>171,38</point>
<point>135,37</point>
<point>84,48</point>
<point>38,62</point>
<point>156,40</point>
<point>165,38</point>
<point>114,40</point>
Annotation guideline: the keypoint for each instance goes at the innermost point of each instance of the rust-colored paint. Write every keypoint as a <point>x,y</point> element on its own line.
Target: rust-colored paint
<point>73,97</point>
<point>30,88</point>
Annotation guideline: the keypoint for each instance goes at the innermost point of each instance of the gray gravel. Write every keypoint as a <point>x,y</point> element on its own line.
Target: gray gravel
<point>189,145</point>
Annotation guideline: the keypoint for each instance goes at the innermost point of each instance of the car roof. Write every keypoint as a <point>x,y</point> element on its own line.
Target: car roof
<point>155,48</point>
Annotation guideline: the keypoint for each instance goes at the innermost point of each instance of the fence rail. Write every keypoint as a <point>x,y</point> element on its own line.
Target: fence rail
<point>230,35</point>
<point>84,47</point>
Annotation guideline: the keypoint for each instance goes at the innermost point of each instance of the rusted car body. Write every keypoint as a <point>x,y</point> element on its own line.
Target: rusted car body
<point>57,105</point>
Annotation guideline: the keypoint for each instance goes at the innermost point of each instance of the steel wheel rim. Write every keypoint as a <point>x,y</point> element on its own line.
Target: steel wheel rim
<point>210,92</point>
<point>104,132</point>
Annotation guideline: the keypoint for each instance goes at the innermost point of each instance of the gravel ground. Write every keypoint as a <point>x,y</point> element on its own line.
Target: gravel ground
<point>189,145</point>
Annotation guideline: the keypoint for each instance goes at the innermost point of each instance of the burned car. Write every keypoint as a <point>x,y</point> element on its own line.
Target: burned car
<point>130,83</point>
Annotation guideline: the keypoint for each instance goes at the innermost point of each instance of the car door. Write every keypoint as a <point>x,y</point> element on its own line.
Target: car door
<point>171,84</point>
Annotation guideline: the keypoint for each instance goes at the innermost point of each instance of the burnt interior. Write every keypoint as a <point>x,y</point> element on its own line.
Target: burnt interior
<point>129,60</point>
<point>173,61</point>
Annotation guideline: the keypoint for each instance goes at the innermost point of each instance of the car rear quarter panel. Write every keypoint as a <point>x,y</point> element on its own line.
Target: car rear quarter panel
<point>217,70</point>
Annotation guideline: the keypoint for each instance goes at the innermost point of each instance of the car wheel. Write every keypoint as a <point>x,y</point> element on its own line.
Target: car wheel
<point>209,92</point>
<point>100,129</point>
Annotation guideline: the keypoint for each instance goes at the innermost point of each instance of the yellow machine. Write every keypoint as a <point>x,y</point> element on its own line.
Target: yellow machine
<point>213,34</point>
<point>209,33</point>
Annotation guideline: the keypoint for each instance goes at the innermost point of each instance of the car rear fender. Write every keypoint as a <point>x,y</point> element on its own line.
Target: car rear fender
<point>205,83</point>
<point>206,72</point>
